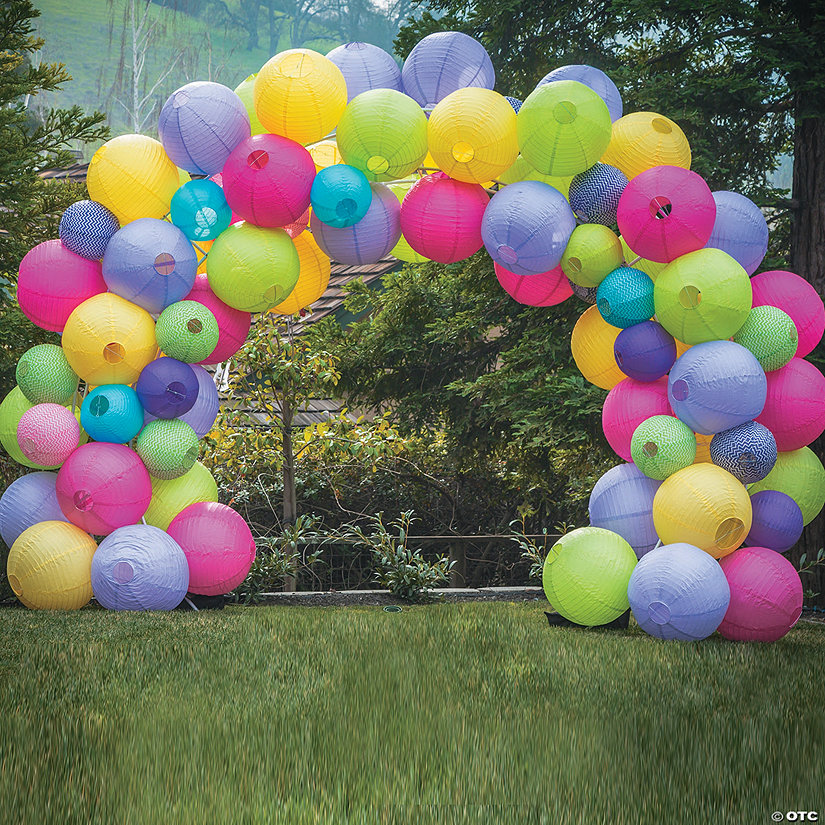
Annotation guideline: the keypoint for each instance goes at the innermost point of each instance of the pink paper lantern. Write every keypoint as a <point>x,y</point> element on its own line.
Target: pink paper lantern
<point>765,595</point>
<point>796,297</point>
<point>666,212</point>
<point>233,324</point>
<point>441,218</point>
<point>267,180</point>
<point>103,486</point>
<point>48,434</point>
<point>795,405</point>
<point>236,218</point>
<point>626,406</point>
<point>543,290</point>
<point>296,228</point>
<point>218,545</point>
<point>53,281</point>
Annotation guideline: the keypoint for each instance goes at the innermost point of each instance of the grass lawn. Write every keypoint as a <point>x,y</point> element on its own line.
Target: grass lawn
<point>475,713</point>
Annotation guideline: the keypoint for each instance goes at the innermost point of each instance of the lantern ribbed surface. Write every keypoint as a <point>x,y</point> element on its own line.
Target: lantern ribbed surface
<point>641,140</point>
<point>204,411</point>
<point>188,331</point>
<point>245,90</point>
<point>167,447</point>
<point>800,475</point>
<point>48,434</point>
<point>645,351</point>
<point>402,250</point>
<point>591,254</point>
<point>233,324</point>
<point>651,268</point>
<point>30,499</point>
<point>313,276</point>
<point>626,406</point>
<point>662,445</point>
<point>591,344</point>
<point>44,375</point>
<point>521,170</point>
<point>747,452</point>
<point>169,497</point>
<point>594,79</point>
<point>167,387</point>
<point>112,413</point>
<point>546,289</point>
<point>340,195</point>
<point>365,67</point>
<point>199,209</point>
<point>777,521</point>
<point>740,229</point>
<point>86,227</point>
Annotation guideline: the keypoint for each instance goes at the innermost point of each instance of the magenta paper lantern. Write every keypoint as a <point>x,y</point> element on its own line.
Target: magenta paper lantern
<point>666,212</point>
<point>543,290</point>
<point>53,281</point>
<point>796,297</point>
<point>233,324</point>
<point>765,595</point>
<point>626,406</point>
<point>218,545</point>
<point>267,180</point>
<point>441,218</point>
<point>795,406</point>
<point>103,486</point>
<point>48,434</point>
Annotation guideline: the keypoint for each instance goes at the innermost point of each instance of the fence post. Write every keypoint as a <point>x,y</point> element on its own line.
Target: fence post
<point>458,572</point>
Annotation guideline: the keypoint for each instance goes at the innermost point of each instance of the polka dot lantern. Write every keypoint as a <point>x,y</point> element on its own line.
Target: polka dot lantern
<point>595,193</point>
<point>747,452</point>
<point>662,445</point>
<point>188,331</point>
<point>625,297</point>
<point>86,228</point>
<point>199,209</point>
<point>777,521</point>
<point>645,351</point>
<point>641,140</point>
<point>627,405</point>
<point>594,79</point>
<point>48,434</point>
<point>26,501</point>
<point>340,195</point>
<point>591,254</point>
<point>740,230</point>
<point>112,413</point>
<point>800,475</point>
<point>365,67</point>
<point>167,388</point>
<point>44,375</point>
<point>543,290</point>
<point>168,448</point>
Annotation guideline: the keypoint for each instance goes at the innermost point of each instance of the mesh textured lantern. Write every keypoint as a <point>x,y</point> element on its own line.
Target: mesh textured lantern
<point>591,254</point>
<point>594,194</point>
<point>139,567</point>
<point>747,452</point>
<point>365,67</point>
<point>49,566</point>
<point>26,501</point>
<point>662,445</point>
<point>626,406</point>
<point>771,335</point>
<point>245,90</point>
<point>645,351</point>
<point>313,277</point>
<point>133,177</point>
<point>188,331</point>
<point>108,340</point>
<point>777,521</point>
<point>543,290</point>
<point>591,344</point>
<point>48,434</point>
<point>170,497</point>
<point>594,79</point>
<point>300,94</point>
<point>625,297</point>
<point>340,195</point>
<point>800,475</point>
<point>112,413</point>
<point>167,447</point>
<point>641,140</point>
<point>233,324</point>
<point>740,229</point>
<point>199,209</point>
<point>86,227</point>
<point>44,375</point>
<point>563,128</point>
<point>167,387</point>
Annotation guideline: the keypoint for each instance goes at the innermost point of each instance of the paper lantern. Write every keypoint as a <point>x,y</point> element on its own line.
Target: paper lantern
<point>595,193</point>
<point>52,282</point>
<point>86,227</point>
<point>650,268</point>
<point>365,67</point>
<point>678,592</point>
<point>169,497</point>
<point>252,268</point>
<point>313,277</point>
<point>384,134</point>
<point>594,79</point>
<point>26,501</point>
<point>109,340</point>
<point>139,567</point>
<point>442,62</point>
<point>295,228</point>
<point>666,212</point>
<point>12,409</point>
<point>740,229</point>
<point>625,297</point>
<point>765,595</point>
<point>200,124</point>
<point>777,521</point>
<point>168,448</point>
<point>325,153</point>
<point>521,171</point>
<point>133,177</point>
<point>233,324</point>
<point>622,502</point>
<point>49,566</point>
<point>112,413</point>
<point>662,445</point>
<point>626,406</point>
<point>514,102</point>
<point>563,128</point>
<point>167,388</point>
<point>402,250</point>
<point>715,386</point>
<point>441,218</point>
<point>367,241</point>
<point>645,351</point>
<point>585,293</point>
<point>526,227</point>
<point>586,573</point>
<point>796,297</point>
<point>771,335</point>
<point>199,209</point>
<point>472,135</point>
<point>101,487</point>
<point>641,140</point>
<point>703,448</point>
<point>218,545</point>
<point>44,375</point>
<point>245,90</point>
<point>800,475</point>
<point>592,252</point>
<point>201,416</point>
<point>543,290</point>
<point>747,452</point>
<point>703,505</point>
<point>300,95</point>
<point>340,195</point>
<point>48,434</point>
<point>188,331</point>
<point>703,296</point>
<point>591,344</point>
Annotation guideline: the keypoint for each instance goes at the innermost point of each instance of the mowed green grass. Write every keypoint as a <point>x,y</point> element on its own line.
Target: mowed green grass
<point>474,713</point>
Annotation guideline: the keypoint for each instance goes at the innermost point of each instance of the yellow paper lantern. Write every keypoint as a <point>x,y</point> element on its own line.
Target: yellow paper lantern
<point>591,254</point>
<point>313,277</point>
<point>702,446</point>
<point>642,140</point>
<point>245,90</point>
<point>109,340</point>
<point>170,496</point>
<point>681,347</point>
<point>50,566</point>
<point>300,94</point>
<point>133,177</point>
<point>472,135</point>
<point>202,251</point>
<point>592,346</point>
<point>325,154</point>
<point>521,170</point>
<point>705,506</point>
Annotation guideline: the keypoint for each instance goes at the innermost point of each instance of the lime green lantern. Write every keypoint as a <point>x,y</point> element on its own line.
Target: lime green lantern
<point>650,268</point>
<point>591,254</point>
<point>662,445</point>
<point>800,475</point>
<point>771,335</point>
<point>44,375</point>
<point>521,170</point>
<point>245,91</point>
<point>170,496</point>
<point>168,447</point>
<point>188,331</point>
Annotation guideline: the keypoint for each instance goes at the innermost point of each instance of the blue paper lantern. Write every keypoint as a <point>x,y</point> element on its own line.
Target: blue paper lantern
<point>747,451</point>
<point>112,413</point>
<point>740,229</point>
<point>150,263</point>
<point>678,592</point>
<point>514,102</point>
<point>365,67</point>
<point>340,195</point>
<point>645,351</point>
<point>86,227</point>
<point>27,501</point>
<point>777,521</point>
<point>204,411</point>
<point>199,209</point>
<point>595,193</point>
<point>139,567</point>
<point>715,386</point>
<point>594,79</point>
<point>625,297</point>
<point>167,388</point>
<point>526,227</point>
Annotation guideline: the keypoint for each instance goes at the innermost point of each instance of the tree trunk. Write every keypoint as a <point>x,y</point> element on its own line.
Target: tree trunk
<point>290,504</point>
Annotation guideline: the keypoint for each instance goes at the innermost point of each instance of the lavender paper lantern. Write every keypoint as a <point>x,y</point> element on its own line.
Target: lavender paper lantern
<point>167,388</point>
<point>645,352</point>
<point>777,521</point>
<point>204,411</point>
<point>740,229</point>
<point>365,67</point>
<point>86,227</point>
<point>595,194</point>
<point>26,501</point>
<point>747,452</point>
<point>595,79</point>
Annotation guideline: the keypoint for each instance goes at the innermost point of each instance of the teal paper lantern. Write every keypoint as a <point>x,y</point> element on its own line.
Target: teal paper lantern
<point>340,195</point>
<point>199,209</point>
<point>625,297</point>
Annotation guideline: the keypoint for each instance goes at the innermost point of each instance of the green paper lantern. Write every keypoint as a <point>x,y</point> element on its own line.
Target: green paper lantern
<point>170,496</point>
<point>800,475</point>
<point>651,268</point>
<point>245,91</point>
<point>703,296</point>
<point>188,331</point>
<point>44,375</point>
<point>591,254</point>
<point>586,573</point>
<point>771,335</point>
<point>168,448</point>
<point>521,170</point>
<point>662,445</point>
<point>563,128</point>
<point>384,134</point>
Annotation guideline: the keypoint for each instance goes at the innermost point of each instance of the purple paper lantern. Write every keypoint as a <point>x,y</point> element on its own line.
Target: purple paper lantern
<point>740,229</point>
<point>365,67</point>
<point>747,452</point>
<point>645,351</point>
<point>593,78</point>
<point>204,411</point>
<point>167,388</point>
<point>86,227</point>
<point>28,500</point>
<point>777,521</point>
